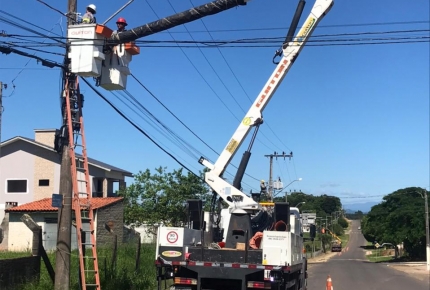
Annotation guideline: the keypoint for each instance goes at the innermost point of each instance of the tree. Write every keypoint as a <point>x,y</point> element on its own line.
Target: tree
<point>323,205</point>
<point>358,215</point>
<point>342,222</point>
<point>399,218</point>
<point>160,198</point>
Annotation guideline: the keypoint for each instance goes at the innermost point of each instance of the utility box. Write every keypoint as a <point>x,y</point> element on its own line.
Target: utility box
<point>86,51</point>
<point>278,185</point>
<point>115,66</point>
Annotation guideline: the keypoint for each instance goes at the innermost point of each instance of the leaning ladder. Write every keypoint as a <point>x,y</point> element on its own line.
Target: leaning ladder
<point>84,215</point>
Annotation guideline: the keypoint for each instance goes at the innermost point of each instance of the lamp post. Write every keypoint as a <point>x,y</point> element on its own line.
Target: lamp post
<point>302,202</point>
<point>286,193</point>
<point>299,179</point>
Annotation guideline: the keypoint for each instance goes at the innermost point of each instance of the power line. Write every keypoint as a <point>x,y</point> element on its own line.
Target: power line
<point>319,26</point>
<point>180,121</point>
<point>313,38</point>
<point>138,128</point>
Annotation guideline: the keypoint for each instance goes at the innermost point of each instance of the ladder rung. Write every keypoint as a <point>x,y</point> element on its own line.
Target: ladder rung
<point>82,180</point>
<point>92,285</point>
<point>88,244</point>
<point>90,270</point>
<point>85,218</point>
<point>89,257</point>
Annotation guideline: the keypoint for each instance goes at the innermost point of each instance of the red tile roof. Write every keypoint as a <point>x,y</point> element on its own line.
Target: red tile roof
<point>45,204</point>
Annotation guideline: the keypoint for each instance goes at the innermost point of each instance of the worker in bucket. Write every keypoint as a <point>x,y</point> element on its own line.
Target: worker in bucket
<point>263,188</point>
<point>121,23</point>
<point>89,15</point>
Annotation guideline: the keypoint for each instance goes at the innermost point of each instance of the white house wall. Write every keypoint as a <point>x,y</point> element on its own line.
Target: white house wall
<point>145,237</point>
<point>16,165</point>
<point>20,236</point>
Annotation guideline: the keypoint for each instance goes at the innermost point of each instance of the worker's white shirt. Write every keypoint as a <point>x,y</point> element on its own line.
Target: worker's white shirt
<point>88,18</point>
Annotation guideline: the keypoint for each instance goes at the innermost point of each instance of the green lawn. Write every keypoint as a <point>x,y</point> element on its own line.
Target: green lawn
<point>123,276</point>
<point>11,255</point>
<point>378,255</point>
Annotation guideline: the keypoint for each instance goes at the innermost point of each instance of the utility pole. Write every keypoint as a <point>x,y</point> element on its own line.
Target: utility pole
<point>275,154</point>
<point>62,261</point>
<point>427,229</point>
<point>1,109</point>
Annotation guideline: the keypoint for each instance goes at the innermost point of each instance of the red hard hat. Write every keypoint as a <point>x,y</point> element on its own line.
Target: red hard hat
<point>121,20</point>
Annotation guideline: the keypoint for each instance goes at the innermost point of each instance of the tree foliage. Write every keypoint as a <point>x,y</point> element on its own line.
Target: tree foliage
<point>342,222</point>
<point>399,218</point>
<point>323,205</point>
<point>358,215</point>
<point>160,198</point>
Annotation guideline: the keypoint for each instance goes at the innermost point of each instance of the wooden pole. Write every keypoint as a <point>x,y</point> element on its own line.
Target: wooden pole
<point>62,261</point>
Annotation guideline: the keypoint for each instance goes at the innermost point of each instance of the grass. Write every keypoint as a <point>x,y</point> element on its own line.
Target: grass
<point>380,255</point>
<point>12,255</point>
<point>344,238</point>
<point>123,276</point>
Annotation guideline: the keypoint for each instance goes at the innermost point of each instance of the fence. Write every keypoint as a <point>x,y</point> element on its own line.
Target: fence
<point>19,270</point>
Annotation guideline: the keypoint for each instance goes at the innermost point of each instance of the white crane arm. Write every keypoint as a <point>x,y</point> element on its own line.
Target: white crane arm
<point>254,115</point>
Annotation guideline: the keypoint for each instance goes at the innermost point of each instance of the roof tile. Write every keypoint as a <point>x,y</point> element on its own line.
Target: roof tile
<point>45,204</point>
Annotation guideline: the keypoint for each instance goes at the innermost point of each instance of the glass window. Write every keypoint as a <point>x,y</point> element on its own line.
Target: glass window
<point>43,182</point>
<point>16,186</point>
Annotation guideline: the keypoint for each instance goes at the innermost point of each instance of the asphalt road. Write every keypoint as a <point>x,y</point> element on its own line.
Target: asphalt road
<point>350,270</point>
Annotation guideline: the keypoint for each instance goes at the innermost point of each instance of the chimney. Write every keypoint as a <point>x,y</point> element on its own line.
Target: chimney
<point>10,204</point>
<point>45,136</point>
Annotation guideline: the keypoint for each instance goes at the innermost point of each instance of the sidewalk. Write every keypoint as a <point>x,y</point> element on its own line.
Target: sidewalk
<point>416,270</point>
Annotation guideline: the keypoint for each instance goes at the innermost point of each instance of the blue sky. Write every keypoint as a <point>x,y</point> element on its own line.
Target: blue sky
<point>355,116</point>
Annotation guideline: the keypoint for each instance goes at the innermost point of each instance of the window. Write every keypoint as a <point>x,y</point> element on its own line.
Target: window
<point>43,182</point>
<point>16,186</point>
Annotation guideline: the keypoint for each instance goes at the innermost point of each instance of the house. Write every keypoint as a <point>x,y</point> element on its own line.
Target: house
<point>30,171</point>
<point>17,237</point>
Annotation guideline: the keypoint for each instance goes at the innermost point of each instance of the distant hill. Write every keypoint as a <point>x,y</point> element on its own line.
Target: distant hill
<point>364,207</point>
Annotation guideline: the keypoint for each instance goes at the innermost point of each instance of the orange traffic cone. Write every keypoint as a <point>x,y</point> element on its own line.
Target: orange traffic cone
<point>329,286</point>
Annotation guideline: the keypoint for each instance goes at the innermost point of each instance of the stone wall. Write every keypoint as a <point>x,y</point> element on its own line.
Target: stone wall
<point>113,215</point>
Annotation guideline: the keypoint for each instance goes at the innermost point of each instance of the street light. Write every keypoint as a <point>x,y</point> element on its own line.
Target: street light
<point>299,179</point>
<point>302,202</point>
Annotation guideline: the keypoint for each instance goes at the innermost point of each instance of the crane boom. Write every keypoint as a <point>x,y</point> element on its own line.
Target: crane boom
<point>177,19</point>
<point>228,193</point>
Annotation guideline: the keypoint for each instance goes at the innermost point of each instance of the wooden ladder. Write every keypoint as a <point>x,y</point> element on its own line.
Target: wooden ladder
<point>84,215</point>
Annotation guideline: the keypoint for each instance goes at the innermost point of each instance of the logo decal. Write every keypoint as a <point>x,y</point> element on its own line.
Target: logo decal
<point>231,147</point>
<point>172,237</point>
<point>305,30</point>
<point>246,121</point>
<point>171,254</point>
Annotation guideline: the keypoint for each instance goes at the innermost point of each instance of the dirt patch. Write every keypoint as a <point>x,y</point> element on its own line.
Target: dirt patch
<point>322,258</point>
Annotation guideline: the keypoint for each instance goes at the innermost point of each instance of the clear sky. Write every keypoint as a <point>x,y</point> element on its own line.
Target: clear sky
<point>353,109</point>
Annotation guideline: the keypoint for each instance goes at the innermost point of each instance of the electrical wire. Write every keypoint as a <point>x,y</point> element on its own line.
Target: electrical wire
<point>173,114</point>
<point>319,26</point>
<point>240,85</point>
<point>188,128</point>
<point>138,128</point>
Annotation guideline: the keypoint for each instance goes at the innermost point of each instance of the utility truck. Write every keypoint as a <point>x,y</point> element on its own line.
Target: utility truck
<point>241,243</point>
